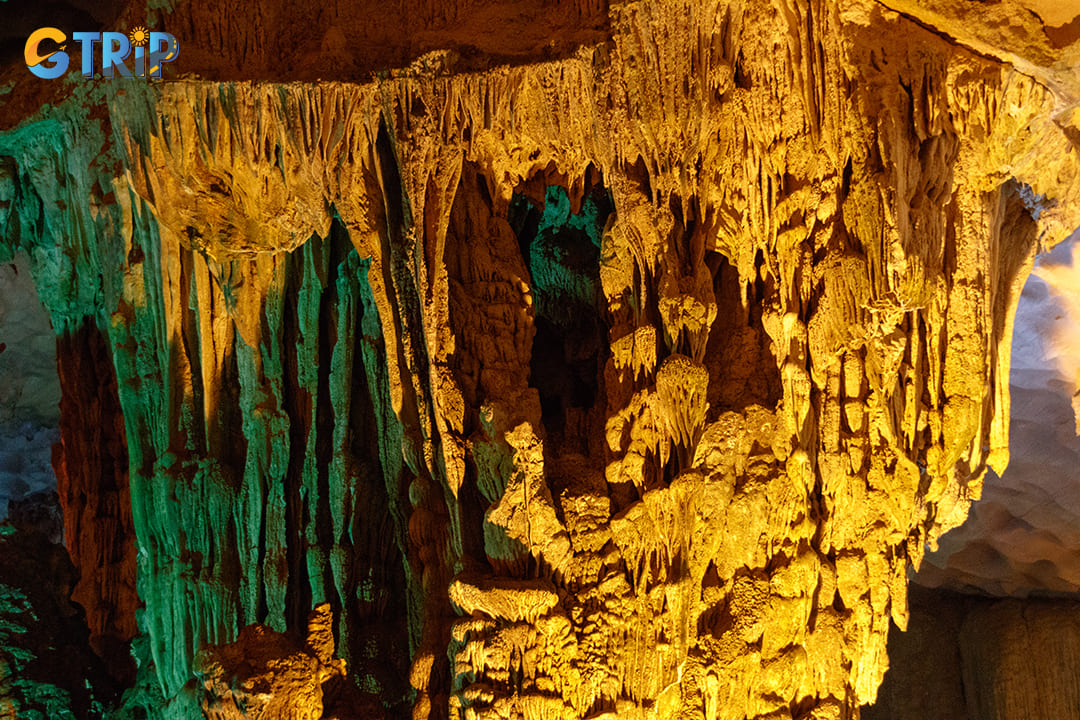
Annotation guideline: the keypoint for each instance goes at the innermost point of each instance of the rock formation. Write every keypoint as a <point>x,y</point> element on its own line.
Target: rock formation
<point>970,657</point>
<point>1021,537</point>
<point>91,468</point>
<point>626,375</point>
<point>264,675</point>
<point>974,656</point>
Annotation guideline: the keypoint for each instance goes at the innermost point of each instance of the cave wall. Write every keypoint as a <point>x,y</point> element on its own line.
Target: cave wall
<point>91,465</point>
<point>30,392</point>
<point>628,382</point>
<point>975,657</point>
<point>47,669</point>
<point>1020,539</point>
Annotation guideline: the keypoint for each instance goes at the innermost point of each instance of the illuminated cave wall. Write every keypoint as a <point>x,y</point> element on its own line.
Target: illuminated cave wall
<point>993,629</point>
<point>1023,536</point>
<point>626,377</point>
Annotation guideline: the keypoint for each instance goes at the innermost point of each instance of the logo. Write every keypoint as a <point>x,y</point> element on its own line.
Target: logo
<point>148,50</point>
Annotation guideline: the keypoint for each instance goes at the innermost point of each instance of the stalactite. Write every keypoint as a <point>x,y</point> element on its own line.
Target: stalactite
<point>628,383</point>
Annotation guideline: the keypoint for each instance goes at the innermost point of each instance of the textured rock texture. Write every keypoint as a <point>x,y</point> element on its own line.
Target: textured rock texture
<point>926,676</point>
<point>625,383</point>
<point>91,467</point>
<point>1021,537</point>
<point>966,657</point>
<point>264,675</point>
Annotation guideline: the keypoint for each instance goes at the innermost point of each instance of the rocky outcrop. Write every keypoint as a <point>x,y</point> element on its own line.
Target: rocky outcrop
<point>628,383</point>
<point>265,675</point>
<point>1021,538</point>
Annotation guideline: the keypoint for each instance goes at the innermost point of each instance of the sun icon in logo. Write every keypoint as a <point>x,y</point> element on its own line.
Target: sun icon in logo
<point>139,36</point>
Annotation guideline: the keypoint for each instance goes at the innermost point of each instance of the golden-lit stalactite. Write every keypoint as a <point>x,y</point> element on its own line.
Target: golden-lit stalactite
<point>678,350</point>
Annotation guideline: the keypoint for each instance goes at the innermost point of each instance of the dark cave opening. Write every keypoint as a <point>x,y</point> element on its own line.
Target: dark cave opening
<point>561,249</point>
<point>739,354</point>
<point>30,389</point>
<point>376,606</point>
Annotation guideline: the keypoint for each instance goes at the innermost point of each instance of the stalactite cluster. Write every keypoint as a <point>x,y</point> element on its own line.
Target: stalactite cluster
<point>624,384</point>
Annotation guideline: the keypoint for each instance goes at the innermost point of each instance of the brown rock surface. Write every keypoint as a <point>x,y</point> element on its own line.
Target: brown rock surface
<point>967,657</point>
<point>91,467</point>
<point>927,677</point>
<point>1020,660</point>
